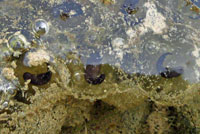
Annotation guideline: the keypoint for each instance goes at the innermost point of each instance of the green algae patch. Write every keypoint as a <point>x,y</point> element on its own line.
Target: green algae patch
<point>48,112</point>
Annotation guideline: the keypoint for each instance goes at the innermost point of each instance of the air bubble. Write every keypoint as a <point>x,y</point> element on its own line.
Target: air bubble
<point>17,44</point>
<point>40,27</point>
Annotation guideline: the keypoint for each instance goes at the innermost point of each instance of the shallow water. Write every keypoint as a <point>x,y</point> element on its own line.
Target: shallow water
<point>132,42</point>
<point>116,44</point>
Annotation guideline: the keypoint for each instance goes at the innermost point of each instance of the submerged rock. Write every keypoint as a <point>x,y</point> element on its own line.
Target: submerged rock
<point>8,88</point>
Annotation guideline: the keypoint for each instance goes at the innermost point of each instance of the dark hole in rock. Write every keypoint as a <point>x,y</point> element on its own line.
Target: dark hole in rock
<point>19,97</point>
<point>100,108</point>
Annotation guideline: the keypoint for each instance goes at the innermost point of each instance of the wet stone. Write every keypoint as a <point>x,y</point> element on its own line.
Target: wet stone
<point>4,105</point>
<point>7,85</point>
<point>8,89</point>
<point>36,57</point>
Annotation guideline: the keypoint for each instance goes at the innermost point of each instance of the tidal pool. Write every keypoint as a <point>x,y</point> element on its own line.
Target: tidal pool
<point>77,64</point>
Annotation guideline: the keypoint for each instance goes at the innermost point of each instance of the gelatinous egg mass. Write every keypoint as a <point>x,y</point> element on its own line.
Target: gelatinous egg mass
<point>40,27</point>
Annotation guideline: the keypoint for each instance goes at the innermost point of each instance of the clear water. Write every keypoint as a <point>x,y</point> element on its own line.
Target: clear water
<point>133,42</point>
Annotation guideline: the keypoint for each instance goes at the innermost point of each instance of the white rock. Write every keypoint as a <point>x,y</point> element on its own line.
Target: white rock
<point>36,58</point>
<point>154,20</point>
<point>119,46</point>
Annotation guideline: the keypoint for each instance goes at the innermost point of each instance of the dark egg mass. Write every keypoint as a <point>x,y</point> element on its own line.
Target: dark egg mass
<point>167,72</point>
<point>39,79</point>
<point>92,74</point>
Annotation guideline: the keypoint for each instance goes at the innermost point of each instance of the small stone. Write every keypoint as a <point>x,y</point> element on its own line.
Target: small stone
<point>5,105</point>
<point>118,43</point>
<point>13,64</point>
<point>36,58</point>
<point>8,73</point>
<point>131,33</point>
